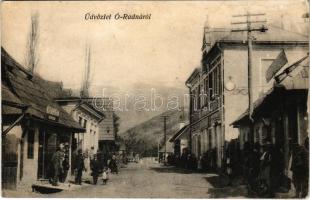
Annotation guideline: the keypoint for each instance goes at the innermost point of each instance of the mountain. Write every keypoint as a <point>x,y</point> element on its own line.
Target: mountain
<point>142,101</point>
<point>144,137</point>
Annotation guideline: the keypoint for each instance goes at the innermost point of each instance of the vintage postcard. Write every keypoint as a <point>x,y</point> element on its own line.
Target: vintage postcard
<point>155,99</point>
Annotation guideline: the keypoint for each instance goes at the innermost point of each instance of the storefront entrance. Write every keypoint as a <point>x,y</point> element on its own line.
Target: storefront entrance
<point>48,142</point>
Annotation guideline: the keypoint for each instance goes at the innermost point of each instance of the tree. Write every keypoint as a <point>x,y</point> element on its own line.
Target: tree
<point>32,54</point>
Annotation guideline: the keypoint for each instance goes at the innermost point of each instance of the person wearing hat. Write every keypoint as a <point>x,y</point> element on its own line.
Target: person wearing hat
<point>57,165</point>
<point>79,167</point>
<point>264,176</point>
<point>300,169</point>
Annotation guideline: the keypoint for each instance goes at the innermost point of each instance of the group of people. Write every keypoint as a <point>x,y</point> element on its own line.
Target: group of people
<point>60,161</point>
<point>265,169</point>
<point>99,165</point>
<point>187,160</point>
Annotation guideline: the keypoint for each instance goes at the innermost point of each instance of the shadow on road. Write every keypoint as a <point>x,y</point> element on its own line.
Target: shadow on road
<point>221,190</point>
<point>169,169</point>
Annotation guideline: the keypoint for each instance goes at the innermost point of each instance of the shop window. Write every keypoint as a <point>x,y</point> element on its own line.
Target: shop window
<point>30,140</point>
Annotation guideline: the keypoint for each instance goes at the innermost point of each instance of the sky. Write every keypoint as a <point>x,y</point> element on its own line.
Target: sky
<point>162,51</point>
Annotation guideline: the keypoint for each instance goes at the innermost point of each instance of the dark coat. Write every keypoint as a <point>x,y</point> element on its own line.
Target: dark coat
<point>95,168</point>
<point>79,162</point>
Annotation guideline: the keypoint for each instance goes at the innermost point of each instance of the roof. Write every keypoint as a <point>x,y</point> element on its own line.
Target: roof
<point>99,103</point>
<point>90,109</point>
<point>296,80</point>
<point>184,129</point>
<point>30,89</point>
<point>9,97</point>
<point>193,75</point>
<point>212,35</point>
<point>273,34</point>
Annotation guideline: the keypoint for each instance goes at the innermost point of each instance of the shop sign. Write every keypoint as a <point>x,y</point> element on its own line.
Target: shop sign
<point>52,113</point>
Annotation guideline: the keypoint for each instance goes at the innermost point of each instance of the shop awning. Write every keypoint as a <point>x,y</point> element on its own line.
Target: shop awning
<point>178,134</point>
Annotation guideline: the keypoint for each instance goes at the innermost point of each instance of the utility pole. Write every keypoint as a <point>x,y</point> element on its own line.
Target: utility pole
<point>249,29</point>
<point>165,137</point>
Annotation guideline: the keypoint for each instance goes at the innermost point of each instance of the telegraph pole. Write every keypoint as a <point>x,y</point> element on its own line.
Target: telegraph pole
<point>249,29</point>
<point>165,137</point>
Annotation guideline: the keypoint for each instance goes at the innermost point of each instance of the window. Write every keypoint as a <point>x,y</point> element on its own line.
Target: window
<point>205,96</point>
<point>85,123</point>
<point>219,80</point>
<point>108,130</point>
<point>195,103</point>
<point>80,120</point>
<point>214,87</point>
<point>201,96</point>
<point>198,97</point>
<point>210,89</point>
<point>215,81</point>
<point>30,140</point>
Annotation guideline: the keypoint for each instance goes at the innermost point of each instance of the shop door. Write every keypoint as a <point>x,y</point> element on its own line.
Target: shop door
<point>9,161</point>
<point>41,155</point>
<point>292,123</point>
<point>48,149</point>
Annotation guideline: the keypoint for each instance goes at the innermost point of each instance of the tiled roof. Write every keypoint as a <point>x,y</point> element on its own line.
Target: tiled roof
<point>32,90</point>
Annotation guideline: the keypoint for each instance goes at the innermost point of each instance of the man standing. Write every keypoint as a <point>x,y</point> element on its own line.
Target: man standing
<point>113,165</point>
<point>265,189</point>
<point>57,164</point>
<point>79,167</point>
<point>300,170</point>
<point>95,168</point>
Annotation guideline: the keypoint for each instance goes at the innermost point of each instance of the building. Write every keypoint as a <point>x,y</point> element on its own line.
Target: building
<point>180,140</point>
<point>88,117</point>
<point>107,126</point>
<point>33,126</point>
<point>218,88</point>
<point>280,116</point>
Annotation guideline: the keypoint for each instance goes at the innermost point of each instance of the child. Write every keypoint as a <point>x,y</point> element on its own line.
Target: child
<point>105,175</point>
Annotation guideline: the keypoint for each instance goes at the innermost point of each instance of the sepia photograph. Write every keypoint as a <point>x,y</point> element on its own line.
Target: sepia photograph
<point>155,99</point>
